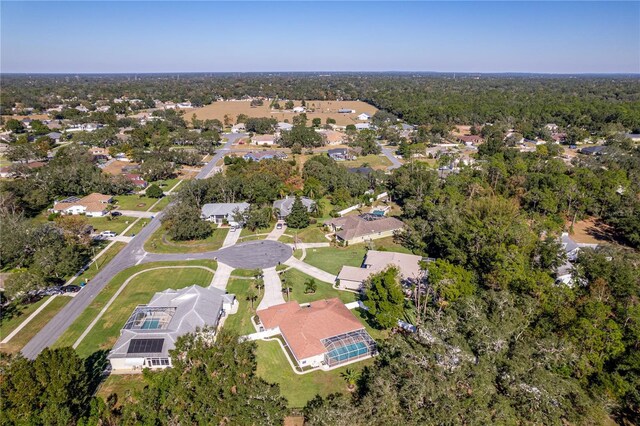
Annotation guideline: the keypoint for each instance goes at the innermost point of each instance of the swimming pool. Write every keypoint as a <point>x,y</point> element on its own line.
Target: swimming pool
<point>347,352</point>
<point>150,324</point>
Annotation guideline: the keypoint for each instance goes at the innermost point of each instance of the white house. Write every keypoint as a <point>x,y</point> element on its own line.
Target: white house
<point>94,205</point>
<point>223,212</point>
<point>362,126</point>
<point>363,117</point>
<point>282,126</point>
<point>299,109</point>
<point>238,128</point>
<point>152,329</point>
<point>571,248</point>
<point>263,140</point>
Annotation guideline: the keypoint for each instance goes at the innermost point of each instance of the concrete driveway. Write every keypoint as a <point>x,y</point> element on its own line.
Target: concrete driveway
<point>231,238</point>
<point>316,273</point>
<point>272,289</point>
<point>276,233</point>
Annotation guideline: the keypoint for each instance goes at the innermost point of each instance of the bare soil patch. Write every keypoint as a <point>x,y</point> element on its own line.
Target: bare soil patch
<point>315,109</point>
<point>115,167</point>
<point>592,231</point>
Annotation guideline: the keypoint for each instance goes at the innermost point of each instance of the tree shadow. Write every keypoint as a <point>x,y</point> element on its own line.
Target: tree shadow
<point>96,366</point>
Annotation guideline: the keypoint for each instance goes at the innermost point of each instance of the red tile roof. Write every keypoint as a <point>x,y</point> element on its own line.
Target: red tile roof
<point>303,327</point>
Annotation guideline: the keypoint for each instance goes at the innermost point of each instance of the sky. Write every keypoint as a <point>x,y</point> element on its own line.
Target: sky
<point>456,36</point>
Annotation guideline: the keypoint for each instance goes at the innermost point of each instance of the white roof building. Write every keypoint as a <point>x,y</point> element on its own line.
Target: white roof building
<point>363,117</point>
<point>152,329</point>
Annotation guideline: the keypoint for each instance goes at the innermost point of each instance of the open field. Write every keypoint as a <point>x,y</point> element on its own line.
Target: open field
<point>322,110</point>
<point>240,322</point>
<point>161,243</point>
<point>376,162</point>
<point>299,389</point>
<point>139,291</point>
<point>297,279</point>
<point>69,337</point>
<point>19,340</point>
<point>134,202</point>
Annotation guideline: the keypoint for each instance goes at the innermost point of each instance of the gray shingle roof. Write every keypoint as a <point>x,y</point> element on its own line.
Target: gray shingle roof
<point>284,206</point>
<point>222,209</point>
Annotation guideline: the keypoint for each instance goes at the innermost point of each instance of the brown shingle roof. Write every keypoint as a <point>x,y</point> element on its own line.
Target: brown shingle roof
<point>305,327</point>
<point>356,226</point>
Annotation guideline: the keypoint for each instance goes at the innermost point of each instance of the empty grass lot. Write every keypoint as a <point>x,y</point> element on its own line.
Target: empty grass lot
<point>158,244</point>
<point>134,202</point>
<point>332,259</point>
<point>240,322</point>
<point>139,291</point>
<point>297,279</point>
<point>376,162</point>
<point>19,340</point>
<point>74,331</point>
<point>122,385</point>
<point>299,389</point>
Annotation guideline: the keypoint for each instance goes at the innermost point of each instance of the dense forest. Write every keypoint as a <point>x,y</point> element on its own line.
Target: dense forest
<point>598,104</point>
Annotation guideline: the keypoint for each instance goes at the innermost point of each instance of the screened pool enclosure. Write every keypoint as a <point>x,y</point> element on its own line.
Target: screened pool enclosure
<point>348,347</point>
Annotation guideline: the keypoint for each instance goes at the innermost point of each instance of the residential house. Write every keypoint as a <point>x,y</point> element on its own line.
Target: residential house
<point>264,155</point>
<point>220,213</point>
<point>362,126</point>
<point>363,117</point>
<point>54,136</point>
<point>552,127</point>
<point>136,180</point>
<point>559,137</point>
<point>94,205</point>
<point>358,229</point>
<point>346,111</point>
<point>184,105</point>
<point>283,207</point>
<point>263,140</point>
<point>332,137</point>
<point>299,109</point>
<point>238,128</point>
<point>282,126</point>
<point>153,329</point>
<point>633,136</point>
<point>571,249</point>
<point>323,333</point>
<point>340,154</point>
<point>470,139</point>
<point>408,265</point>
<point>593,150</point>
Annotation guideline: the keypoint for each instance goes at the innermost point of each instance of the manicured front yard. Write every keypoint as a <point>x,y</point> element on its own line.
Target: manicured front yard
<point>299,389</point>
<point>158,244</point>
<point>94,268</point>
<point>311,234</point>
<point>164,201</point>
<point>72,333</point>
<point>134,202</point>
<point>139,291</point>
<point>116,224</point>
<point>240,322</point>
<point>137,227</point>
<point>22,338</point>
<point>331,259</point>
<point>245,232</point>
<point>297,279</point>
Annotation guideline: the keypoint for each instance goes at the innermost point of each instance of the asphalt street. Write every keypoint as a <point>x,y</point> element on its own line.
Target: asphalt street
<point>131,255</point>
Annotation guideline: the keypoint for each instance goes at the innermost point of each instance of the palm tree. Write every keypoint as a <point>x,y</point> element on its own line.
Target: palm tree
<point>285,286</point>
<point>251,297</point>
<point>310,286</point>
<point>351,377</point>
<point>259,285</point>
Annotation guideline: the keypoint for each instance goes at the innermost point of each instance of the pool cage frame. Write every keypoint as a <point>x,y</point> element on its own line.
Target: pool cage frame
<point>348,341</point>
<point>144,313</point>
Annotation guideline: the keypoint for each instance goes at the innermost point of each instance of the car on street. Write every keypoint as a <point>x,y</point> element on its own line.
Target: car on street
<point>116,213</point>
<point>71,288</point>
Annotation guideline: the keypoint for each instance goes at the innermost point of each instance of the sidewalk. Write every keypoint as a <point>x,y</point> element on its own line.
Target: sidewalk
<point>272,289</point>
<point>311,270</point>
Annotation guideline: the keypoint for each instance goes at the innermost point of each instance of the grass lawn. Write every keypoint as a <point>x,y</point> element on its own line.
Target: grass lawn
<point>135,229</point>
<point>19,340</point>
<point>14,313</point>
<point>69,337</point>
<point>331,259</point>
<point>297,281</point>
<point>365,318</point>
<point>101,262</point>
<point>299,389</point>
<point>164,201</point>
<point>245,232</point>
<point>310,234</point>
<point>134,202</point>
<point>166,185</point>
<point>372,160</point>
<point>116,224</point>
<point>121,385</point>
<point>240,322</point>
<point>139,291</point>
<point>155,244</point>
<point>389,245</point>
<point>243,272</point>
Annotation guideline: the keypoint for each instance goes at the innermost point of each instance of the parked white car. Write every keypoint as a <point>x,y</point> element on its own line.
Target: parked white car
<point>108,234</point>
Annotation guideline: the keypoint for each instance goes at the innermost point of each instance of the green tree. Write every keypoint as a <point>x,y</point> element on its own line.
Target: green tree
<point>310,285</point>
<point>183,223</point>
<point>299,216</point>
<point>449,282</point>
<point>154,191</point>
<point>350,376</point>
<point>14,126</point>
<point>384,297</point>
<point>316,122</point>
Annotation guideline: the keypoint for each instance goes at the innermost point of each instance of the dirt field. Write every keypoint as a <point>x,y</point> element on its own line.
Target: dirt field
<point>40,117</point>
<point>115,167</point>
<point>461,130</point>
<point>590,231</point>
<point>321,109</point>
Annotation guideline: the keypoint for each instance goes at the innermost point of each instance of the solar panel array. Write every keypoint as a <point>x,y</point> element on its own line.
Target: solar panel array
<point>145,346</point>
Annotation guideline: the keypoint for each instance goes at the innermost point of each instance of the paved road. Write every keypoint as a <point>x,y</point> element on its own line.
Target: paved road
<point>129,256</point>
<point>389,153</point>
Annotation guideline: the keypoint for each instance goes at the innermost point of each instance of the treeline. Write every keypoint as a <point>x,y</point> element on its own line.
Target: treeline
<point>599,104</point>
